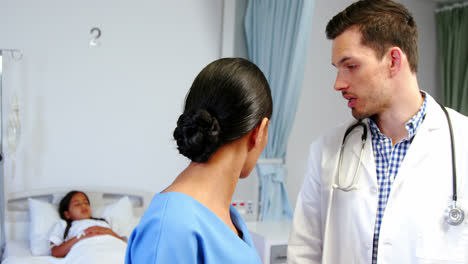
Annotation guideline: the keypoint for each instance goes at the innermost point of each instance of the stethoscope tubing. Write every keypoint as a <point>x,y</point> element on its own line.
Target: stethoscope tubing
<point>454,165</point>
<point>353,185</point>
<point>454,215</point>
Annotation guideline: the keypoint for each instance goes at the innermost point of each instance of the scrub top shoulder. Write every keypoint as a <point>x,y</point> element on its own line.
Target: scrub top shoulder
<point>178,229</point>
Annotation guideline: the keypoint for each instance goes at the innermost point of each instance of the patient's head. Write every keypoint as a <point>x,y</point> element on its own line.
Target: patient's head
<point>228,99</point>
<point>75,206</point>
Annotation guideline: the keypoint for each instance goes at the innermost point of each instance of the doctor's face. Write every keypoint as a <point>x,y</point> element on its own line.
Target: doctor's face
<point>362,78</point>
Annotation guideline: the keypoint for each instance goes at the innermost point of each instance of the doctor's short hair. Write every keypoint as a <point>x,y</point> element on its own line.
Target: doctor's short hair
<point>227,99</point>
<point>383,23</point>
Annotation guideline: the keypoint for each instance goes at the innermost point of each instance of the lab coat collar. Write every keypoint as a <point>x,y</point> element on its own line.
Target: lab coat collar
<point>435,120</point>
<point>435,117</point>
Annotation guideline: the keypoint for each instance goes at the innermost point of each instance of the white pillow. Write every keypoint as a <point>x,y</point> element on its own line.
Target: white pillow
<point>120,217</point>
<point>44,215</point>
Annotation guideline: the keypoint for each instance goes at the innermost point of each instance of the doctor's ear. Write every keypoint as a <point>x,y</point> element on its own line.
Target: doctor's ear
<point>396,56</point>
<point>66,214</point>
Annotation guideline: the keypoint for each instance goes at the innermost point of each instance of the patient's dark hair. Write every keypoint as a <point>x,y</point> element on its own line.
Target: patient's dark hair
<point>64,205</point>
<point>228,98</point>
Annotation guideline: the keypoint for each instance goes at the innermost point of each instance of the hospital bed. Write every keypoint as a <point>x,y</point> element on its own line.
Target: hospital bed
<point>30,215</point>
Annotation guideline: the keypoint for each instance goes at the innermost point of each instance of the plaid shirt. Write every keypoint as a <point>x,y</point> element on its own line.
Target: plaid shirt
<point>388,160</point>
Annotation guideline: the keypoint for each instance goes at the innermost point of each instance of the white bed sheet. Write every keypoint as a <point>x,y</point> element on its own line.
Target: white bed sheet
<point>103,249</point>
<point>95,250</point>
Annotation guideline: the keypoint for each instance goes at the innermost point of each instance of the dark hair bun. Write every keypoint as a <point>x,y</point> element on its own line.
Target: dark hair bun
<point>227,100</point>
<point>197,135</point>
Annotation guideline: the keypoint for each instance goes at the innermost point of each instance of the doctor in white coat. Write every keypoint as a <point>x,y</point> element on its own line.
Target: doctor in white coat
<point>400,179</point>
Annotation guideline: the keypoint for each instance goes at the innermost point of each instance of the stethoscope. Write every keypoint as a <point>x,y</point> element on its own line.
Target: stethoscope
<point>453,215</point>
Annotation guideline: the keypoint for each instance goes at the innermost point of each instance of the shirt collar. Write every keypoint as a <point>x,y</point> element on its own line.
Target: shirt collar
<point>411,126</point>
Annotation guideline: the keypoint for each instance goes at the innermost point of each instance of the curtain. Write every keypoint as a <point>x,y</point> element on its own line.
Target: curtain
<point>277,34</point>
<point>452,33</point>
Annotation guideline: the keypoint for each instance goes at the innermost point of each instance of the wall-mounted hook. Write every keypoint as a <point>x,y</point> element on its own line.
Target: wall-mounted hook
<point>17,55</point>
<point>96,32</point>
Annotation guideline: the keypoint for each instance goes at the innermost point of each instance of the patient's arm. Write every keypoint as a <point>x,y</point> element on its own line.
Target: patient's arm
<point>99,230</point>
<point>62,250</point>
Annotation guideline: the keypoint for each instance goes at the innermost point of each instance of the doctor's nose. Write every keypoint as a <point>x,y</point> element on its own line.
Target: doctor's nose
<point>340,84</point>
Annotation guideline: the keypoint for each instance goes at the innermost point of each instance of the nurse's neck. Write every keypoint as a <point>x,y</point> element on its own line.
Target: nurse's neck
<point>213,183</point>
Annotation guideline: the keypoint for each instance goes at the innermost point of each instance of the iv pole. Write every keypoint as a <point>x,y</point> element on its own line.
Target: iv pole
<point>2,198</point>
<point>16,55</point>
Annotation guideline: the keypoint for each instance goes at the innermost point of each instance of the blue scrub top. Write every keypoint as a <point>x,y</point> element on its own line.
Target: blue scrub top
<point>178,229</point>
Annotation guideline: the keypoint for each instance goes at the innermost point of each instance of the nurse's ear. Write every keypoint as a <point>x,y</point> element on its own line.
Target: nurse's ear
<point>259,136</point>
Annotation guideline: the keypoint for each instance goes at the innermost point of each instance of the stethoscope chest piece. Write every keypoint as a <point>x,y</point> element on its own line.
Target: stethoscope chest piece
<point>454,215</point>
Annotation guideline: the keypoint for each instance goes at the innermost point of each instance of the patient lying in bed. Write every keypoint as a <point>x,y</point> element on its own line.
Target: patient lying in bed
<point>87,239</point>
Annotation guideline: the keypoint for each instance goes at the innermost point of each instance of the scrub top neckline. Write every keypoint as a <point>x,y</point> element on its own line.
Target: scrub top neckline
<point>233,215</point>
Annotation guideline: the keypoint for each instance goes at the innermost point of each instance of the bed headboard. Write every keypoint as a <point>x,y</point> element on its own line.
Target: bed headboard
<point>17,208</point>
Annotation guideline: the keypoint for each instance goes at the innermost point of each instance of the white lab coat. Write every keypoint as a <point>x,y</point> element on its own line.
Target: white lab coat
<point>413,228</point>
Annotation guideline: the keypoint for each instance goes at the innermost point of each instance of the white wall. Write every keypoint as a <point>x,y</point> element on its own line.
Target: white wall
<point>320,107</point>
<point>105,115</point>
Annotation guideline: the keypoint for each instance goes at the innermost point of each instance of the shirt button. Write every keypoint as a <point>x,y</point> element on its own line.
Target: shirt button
<point>373,190</point>
<point>367,246</point>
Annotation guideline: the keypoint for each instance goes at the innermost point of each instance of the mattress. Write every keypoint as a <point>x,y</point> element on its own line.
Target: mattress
<point>17,252</point>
